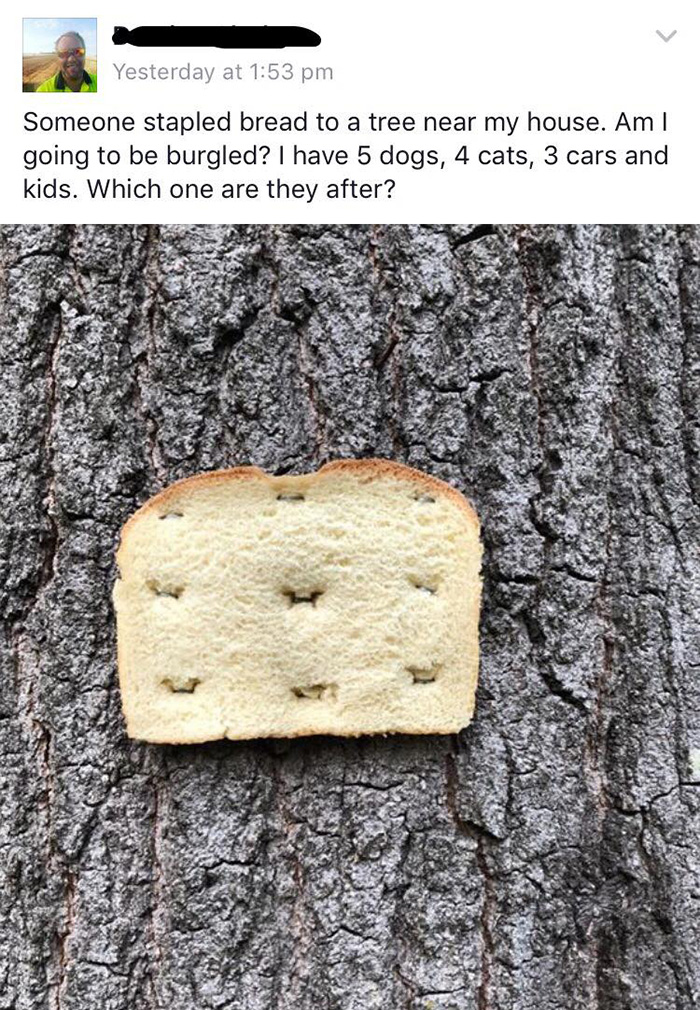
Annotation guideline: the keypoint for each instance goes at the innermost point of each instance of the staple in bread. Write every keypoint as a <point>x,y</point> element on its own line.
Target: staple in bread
<point>343,602</point>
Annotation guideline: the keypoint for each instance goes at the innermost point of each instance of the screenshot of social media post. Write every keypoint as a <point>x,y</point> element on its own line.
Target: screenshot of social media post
<point>350,549</point>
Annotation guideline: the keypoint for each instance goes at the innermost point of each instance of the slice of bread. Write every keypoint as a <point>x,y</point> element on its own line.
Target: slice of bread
<point>344,601</point>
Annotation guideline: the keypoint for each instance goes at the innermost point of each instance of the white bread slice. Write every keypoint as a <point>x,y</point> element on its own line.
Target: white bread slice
<point>344,602</point>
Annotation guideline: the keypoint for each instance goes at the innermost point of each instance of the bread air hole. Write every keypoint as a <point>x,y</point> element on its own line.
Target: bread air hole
<point>425,499</point>
<point>291,496</point>
<point>164,589</point>
<point>424,674</point>
<point>422,587</point>
<point>316,692</point>
<point>172,515</point>
<point>294,597</point>
<point>181,685</point>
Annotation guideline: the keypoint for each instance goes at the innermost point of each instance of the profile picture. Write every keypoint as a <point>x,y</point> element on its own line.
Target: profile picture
<point>59,55</point>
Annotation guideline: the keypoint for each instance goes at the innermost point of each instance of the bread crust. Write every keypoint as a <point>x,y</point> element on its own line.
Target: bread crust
<point>372,468</point>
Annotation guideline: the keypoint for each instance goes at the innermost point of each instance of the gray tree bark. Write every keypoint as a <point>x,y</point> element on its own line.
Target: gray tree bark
<point>546,858</point>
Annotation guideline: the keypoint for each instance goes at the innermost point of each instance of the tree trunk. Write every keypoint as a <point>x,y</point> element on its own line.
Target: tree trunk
<point>545,858</point>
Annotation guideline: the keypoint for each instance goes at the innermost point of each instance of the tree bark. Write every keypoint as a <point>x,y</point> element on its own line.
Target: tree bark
<point>548,856</point>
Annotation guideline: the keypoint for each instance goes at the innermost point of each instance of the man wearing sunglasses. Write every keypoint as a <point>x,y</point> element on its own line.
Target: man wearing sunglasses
<point>72,75</point>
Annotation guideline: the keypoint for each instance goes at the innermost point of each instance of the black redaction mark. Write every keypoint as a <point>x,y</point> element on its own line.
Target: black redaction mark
<point>220,36</point>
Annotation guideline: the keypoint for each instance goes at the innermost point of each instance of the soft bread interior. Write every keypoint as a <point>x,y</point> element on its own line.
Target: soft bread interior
<point>342,602</point>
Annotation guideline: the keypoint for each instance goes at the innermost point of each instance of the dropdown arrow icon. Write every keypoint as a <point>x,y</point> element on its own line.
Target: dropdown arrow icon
<point>666,38</point>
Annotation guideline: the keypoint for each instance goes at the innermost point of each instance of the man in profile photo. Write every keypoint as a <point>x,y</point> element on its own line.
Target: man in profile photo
<point>72,75</point>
